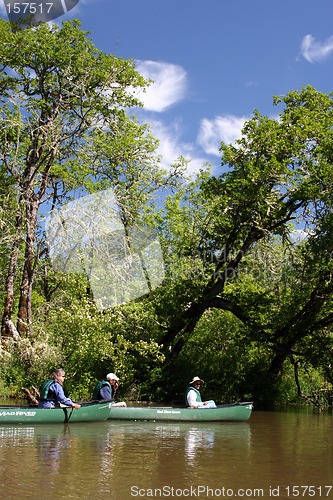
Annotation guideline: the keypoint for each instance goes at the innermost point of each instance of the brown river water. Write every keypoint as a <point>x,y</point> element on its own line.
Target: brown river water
<point>280,454</point>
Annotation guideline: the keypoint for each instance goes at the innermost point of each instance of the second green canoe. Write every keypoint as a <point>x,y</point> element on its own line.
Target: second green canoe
<point>238,412</point>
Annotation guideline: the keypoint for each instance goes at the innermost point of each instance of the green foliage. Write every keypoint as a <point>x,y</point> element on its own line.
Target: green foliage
<point>55,88</point>
<point>219,353</point>
<point>93,343</point>
<point>244,303</point>
<point>26,364</point>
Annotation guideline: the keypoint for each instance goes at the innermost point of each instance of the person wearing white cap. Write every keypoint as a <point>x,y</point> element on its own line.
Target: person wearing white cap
<point>106,389</point>
<point>193,396</point>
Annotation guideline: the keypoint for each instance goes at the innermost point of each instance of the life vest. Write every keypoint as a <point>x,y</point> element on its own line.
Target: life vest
<point>190,388</point>
<point>100,384</point>
<point>44,390</point>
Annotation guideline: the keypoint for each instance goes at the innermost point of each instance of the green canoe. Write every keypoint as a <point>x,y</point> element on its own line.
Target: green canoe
<point>89,412</point>
<point>238,412</point>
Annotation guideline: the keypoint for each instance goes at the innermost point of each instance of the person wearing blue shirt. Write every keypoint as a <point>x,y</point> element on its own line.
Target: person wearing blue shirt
<point>106,389</point>
<point>52,393</point>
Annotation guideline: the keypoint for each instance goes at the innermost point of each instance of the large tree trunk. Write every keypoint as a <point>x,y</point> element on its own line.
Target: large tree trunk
<point>24,317</point>
<point>277,362</point>
<point>31,202</point>
<point>7,327</point>
<point>187,322</point>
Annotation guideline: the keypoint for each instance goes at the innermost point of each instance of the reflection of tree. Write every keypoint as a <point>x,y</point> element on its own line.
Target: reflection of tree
<point>106,451</point>
<point>103,460</point>
<point>51,449</point>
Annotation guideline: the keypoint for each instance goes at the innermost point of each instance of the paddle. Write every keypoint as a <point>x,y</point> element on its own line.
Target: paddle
<point>65,408</point>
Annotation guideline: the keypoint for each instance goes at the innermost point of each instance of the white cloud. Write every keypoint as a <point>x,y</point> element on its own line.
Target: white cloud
<point>299,235</point>
<point>221,128</point>
<point>172,147</point>
<point>169,87</point>
<point>314,51</point>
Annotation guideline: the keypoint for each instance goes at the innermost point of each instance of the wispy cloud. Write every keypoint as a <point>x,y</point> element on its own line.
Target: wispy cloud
<point>172,146</point>
<point>168,87</point>
<point>314,51</point>
<point>221,128</point>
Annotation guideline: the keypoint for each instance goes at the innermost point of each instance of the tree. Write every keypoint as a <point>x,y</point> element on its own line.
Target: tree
<point>55,86</point>
<point>126,161</point>
<point>279,178</point>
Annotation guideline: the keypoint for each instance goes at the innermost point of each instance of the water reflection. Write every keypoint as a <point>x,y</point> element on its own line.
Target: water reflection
<point>15,436</point>
<point>59,457</point>
<point>107,459</point>
<point>150,453</point>
<point>52,447</point>
<point>201,440</point>
<point>145,452</point>
<point>195,440</point>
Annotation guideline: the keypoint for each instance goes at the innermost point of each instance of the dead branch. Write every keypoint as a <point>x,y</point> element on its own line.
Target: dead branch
<point>32,401</point>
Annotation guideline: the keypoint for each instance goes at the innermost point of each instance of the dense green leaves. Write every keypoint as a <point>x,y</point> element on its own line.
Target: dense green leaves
<point>246,302</point>
<point>278,185</point>
<point>56,87</point>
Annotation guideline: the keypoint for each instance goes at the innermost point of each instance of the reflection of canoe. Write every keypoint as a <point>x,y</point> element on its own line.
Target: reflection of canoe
<point>11,434</point>
<point>232,412</point>
<point>89,412</point>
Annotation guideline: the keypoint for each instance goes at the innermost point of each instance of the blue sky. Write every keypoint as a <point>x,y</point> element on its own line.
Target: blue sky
<point>213,61</point>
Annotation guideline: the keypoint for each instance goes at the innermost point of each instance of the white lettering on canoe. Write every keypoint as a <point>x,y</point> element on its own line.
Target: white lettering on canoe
<point>17,413</point>
<point>173,412</point>
<point>25,413</point>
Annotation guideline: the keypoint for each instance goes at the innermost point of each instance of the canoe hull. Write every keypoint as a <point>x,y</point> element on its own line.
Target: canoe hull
<point>226,413</point>
<point>33,415</point>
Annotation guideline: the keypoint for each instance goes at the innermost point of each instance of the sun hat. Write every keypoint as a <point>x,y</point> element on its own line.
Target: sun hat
<point>111,376</point>
<point>196,379</point>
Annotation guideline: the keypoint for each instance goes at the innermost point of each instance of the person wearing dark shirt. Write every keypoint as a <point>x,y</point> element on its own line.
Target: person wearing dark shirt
<point>106,389</point>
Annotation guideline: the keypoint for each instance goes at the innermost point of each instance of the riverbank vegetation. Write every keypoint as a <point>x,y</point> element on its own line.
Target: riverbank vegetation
<point>246,296</point>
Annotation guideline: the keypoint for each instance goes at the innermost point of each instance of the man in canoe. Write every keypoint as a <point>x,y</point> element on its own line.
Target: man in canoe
<point>52,393</point>
<point>193,396</point>
<point>105,390</point>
